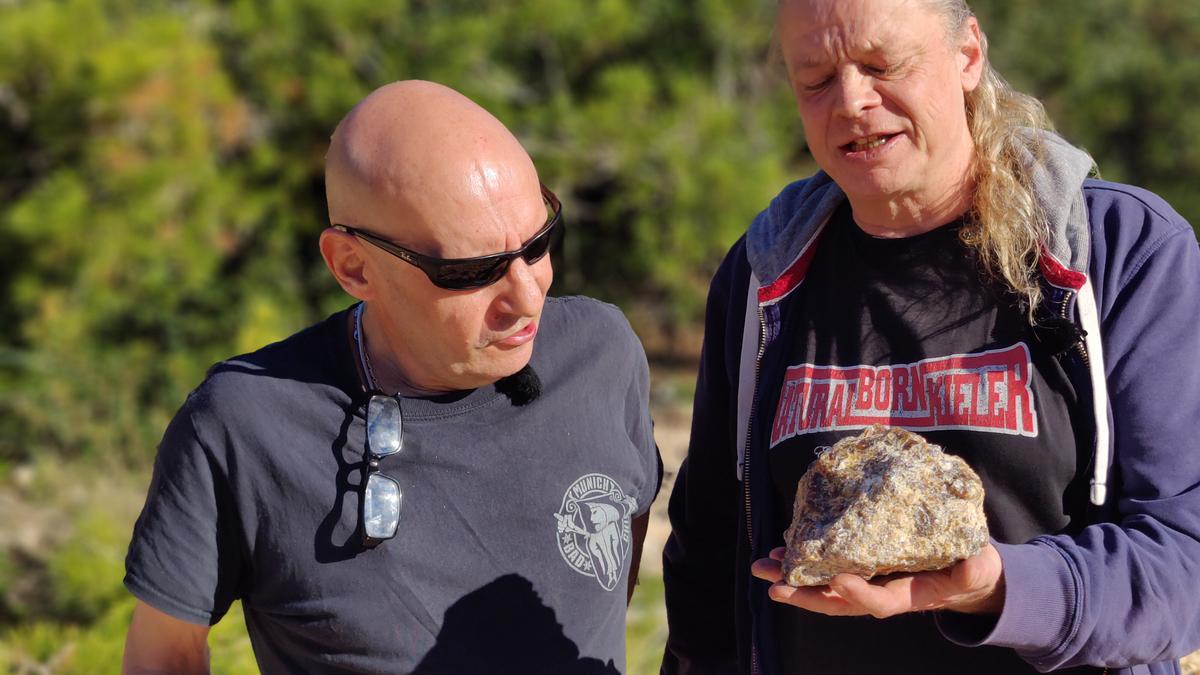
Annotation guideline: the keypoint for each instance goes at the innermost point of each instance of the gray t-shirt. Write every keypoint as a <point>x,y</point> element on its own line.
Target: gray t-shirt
<point>513,548</point>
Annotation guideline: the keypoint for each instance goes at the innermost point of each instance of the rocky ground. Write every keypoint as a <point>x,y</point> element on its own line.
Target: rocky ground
<point>672,424</point>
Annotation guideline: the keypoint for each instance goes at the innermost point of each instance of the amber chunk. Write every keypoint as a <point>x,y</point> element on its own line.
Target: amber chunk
<point>881,502</point>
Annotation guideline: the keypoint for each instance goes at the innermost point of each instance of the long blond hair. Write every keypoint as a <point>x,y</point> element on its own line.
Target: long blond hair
<point>1005,224</point>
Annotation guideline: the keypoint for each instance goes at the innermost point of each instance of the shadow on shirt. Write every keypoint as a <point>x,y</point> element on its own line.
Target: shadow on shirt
<point>504,627</point>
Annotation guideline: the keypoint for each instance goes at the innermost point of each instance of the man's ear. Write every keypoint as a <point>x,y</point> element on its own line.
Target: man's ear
<point>343,256</point>
<point>971,55</point>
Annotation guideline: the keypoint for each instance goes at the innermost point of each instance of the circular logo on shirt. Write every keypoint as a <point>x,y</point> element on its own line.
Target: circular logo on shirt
<point>593,528</point>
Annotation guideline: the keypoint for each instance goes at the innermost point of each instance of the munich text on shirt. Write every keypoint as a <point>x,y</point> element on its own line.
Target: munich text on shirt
<point>987,391</point>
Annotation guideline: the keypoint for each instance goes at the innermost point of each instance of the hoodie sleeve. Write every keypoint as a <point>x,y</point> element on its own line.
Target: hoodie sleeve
<point>1124,592</point>
<point>699,569</point>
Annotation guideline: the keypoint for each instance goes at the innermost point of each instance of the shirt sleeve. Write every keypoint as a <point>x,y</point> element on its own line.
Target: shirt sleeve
<point>641,426</point>
<point>1123,592</point>
<point>184,558</point>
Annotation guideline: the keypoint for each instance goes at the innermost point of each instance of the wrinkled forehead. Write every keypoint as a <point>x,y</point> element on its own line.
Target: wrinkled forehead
<point>813,33</point>
<point>462,209</point>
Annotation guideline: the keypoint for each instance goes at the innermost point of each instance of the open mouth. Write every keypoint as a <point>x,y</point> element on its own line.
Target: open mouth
<point>868,143</point>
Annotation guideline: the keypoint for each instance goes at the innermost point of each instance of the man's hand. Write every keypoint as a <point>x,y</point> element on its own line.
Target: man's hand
<point>971,586</point>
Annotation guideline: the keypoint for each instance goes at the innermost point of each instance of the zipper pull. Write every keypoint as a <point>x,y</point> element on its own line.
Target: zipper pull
<point>1057,334</point>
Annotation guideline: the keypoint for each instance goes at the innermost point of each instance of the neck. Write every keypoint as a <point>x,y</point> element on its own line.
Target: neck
<point>910,216</point>
<point>381,371</point>
<point>911,213</point>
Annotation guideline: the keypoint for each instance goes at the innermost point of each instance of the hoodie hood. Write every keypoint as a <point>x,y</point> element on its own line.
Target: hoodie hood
<point>780,236</point>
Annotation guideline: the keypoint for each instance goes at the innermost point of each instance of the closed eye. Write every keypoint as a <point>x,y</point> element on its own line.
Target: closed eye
<point>817,86</point>
<point>882,71</point>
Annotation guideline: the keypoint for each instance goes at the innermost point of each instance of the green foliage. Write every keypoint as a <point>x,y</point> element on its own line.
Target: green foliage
<point>85,574</point>
<point>646,627</point>
<point>160,162</point>
<point>98,647</point>
<point>160,173</point>
<point>230,645</point>
<point>1117,78</point>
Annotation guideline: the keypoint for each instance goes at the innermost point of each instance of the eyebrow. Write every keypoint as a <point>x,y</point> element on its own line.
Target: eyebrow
<point>811,62</point>
<point>898,55</point>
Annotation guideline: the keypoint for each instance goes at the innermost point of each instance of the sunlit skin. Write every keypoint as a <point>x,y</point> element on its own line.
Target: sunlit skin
<point>421,165</point>
<point>887,69</point>
<point>862,69</point>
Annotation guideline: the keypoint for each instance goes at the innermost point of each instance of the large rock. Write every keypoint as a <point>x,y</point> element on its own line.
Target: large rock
<point>881,502</point>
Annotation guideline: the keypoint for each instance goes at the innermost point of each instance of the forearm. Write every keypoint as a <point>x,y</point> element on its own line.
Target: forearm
<point>159,643</point>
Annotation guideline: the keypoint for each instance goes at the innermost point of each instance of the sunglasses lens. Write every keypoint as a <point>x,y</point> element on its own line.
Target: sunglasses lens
<point>381,507</point>
<point>538,247</point>
<point>471,274</point>
<point>383,425</point>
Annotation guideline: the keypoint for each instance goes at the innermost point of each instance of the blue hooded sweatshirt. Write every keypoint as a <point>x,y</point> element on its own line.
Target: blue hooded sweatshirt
<point>1121,595</point>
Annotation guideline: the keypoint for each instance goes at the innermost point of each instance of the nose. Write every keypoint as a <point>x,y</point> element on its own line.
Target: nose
<point>856,93</point>
<point>520,293</point>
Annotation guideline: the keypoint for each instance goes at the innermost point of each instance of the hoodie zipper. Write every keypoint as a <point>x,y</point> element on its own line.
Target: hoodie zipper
<point>762,346</point>
<point>1080,348</point>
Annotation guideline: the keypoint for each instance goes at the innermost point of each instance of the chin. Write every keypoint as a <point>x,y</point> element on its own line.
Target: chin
<point>498,367</point>
<point>513,365</point>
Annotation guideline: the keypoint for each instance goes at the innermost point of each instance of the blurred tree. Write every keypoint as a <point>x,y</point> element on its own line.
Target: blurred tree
<point>160,161</point>
<point>1116,77</point>
<point>121,221</point>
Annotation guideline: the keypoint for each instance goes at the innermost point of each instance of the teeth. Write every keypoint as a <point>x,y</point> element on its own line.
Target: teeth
<point>868,143</point>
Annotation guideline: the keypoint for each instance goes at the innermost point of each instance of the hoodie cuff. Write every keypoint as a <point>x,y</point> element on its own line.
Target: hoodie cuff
<point>1039,605</point>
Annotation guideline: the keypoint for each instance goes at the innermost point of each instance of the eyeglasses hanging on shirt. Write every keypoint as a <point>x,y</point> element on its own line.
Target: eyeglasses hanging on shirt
<point>382,498</point>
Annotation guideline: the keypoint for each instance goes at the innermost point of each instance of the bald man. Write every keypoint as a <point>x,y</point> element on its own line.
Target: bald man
<point>406,485</point>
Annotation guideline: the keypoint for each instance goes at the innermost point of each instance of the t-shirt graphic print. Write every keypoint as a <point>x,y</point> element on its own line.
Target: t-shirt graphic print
<point>594,531</point>
<point>988,391</point>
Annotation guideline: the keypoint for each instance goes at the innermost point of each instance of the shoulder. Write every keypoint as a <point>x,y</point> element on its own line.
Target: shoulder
<point>579,312</point>
<point>579,329</point>
<point>1131,206</point>
<point>779,233</point>
<point>734,269</point>
<point>1129,225</point>
<point>583,306</point>
<point>261,381</point>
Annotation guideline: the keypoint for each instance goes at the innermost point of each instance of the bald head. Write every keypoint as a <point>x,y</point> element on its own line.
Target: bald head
<point>420,165</point>
<point>416,157</point>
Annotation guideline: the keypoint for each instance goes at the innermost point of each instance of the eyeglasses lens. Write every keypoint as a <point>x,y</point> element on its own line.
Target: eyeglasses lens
<point>383,426</point>
<point>381,507</point>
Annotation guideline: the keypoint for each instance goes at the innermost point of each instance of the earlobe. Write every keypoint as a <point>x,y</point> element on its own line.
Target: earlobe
<point>343,256</point>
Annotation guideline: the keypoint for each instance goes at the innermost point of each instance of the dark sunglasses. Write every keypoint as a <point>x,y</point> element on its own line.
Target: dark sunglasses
<point>459,274</point>
<point>381,498</point>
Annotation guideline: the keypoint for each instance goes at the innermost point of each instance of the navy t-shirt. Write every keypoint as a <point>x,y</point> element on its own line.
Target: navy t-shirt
<point>911,333</point>
<point>514,543</point>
